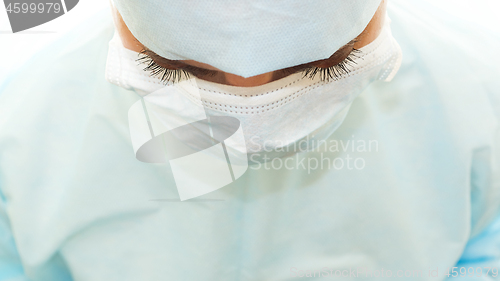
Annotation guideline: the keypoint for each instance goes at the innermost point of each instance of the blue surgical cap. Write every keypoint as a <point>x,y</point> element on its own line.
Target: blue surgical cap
<point>246,38</point>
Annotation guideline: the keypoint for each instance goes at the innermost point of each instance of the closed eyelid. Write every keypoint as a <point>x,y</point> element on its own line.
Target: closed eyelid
<point>159,59</point>
<point>171,70</point>
<point>176,65</point>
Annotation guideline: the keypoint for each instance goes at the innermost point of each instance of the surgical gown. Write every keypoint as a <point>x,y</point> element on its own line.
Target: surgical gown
<point>77,205</point>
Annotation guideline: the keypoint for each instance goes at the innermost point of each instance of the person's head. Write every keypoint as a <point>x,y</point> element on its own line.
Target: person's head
<point>211,73</point>
<point>271,78</point>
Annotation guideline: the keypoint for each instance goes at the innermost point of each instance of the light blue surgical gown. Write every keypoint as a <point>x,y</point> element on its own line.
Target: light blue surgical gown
<point>77,205</point>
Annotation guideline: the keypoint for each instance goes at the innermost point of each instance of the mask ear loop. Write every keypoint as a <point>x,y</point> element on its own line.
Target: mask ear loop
<point>395,62</point>
<point>116,36</point>
<point>392,67</point>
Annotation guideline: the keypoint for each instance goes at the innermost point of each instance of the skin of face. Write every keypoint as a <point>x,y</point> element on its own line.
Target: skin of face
<point>370,33</point>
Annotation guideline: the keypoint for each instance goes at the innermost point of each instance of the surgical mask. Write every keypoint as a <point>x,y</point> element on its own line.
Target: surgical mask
<point>277,118</point>
<point>239,124</point>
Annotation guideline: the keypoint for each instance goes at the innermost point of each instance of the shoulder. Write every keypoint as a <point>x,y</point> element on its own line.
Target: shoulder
<point>443,44</point>
<point>60,95</point>
<point>61,83</point>
<point>63,72</point>
<point>450,66</point>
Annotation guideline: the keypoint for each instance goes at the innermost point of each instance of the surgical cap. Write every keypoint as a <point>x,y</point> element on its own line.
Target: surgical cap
<point>246,38</point>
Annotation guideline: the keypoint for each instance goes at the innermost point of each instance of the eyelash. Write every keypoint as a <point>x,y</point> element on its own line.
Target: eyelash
<point>167,75</point>
<point>170,75</point>
<point>333,72</point>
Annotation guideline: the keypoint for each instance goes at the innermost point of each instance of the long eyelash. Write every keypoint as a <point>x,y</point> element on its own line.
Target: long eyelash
<point>164,74</point>
<point>333,72</point>
<point>175,75</point>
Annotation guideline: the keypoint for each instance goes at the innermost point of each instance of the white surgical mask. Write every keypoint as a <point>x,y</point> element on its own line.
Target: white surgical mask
<point>278,114</point>
<point>248,123</point>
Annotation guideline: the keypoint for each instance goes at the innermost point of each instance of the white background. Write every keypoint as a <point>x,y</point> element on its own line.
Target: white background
<point>18,48</point>
<point>15,49</point>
